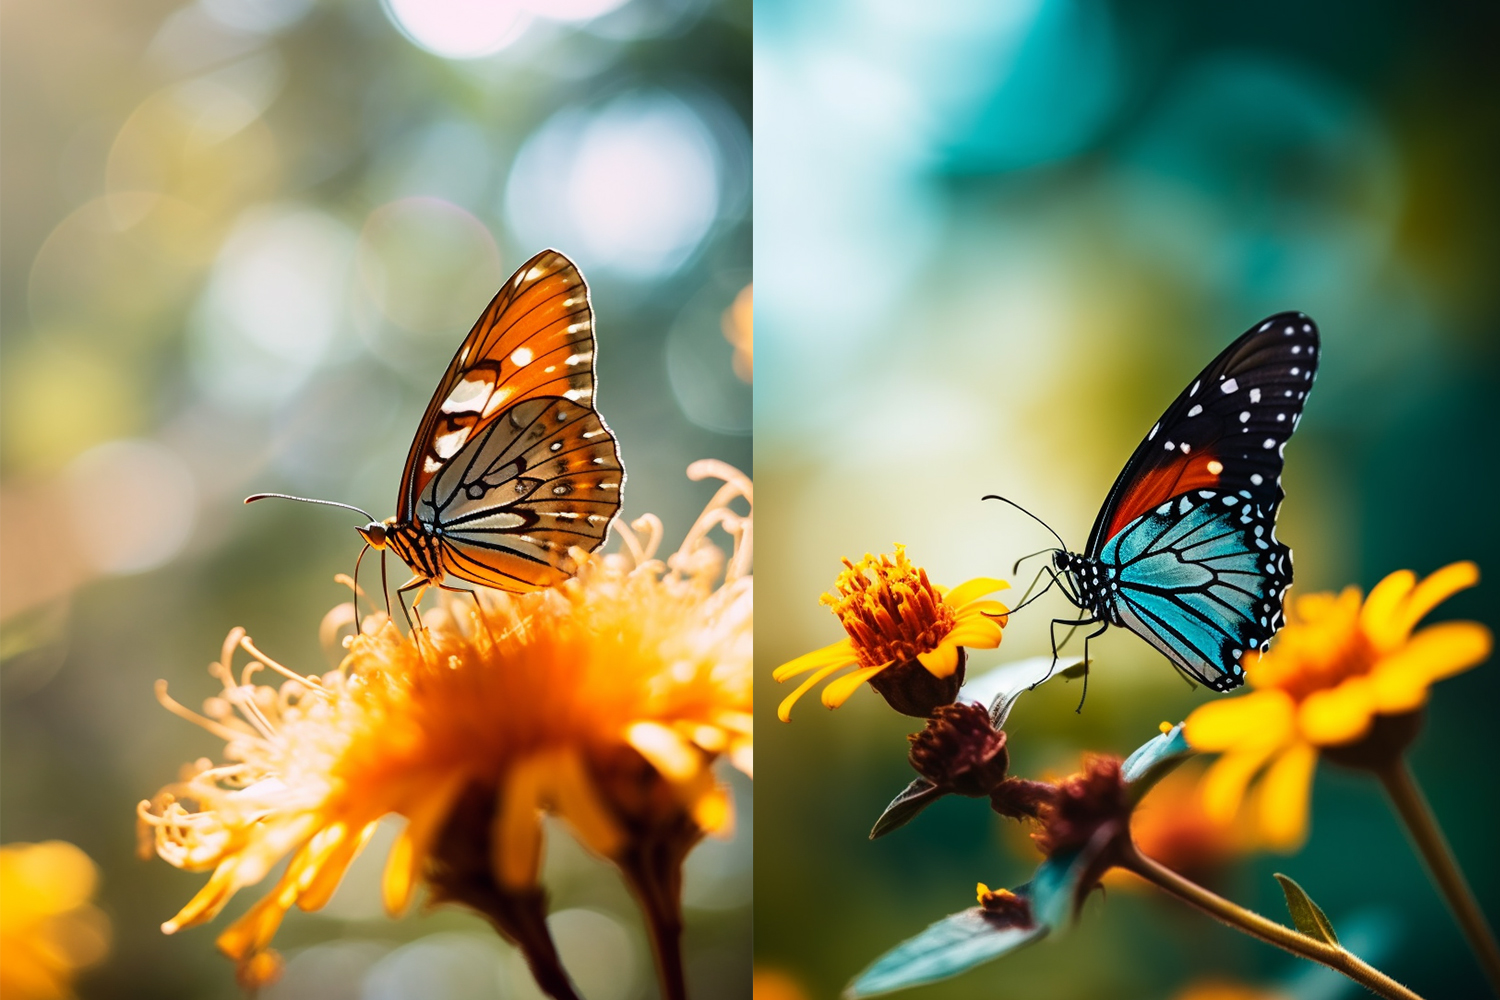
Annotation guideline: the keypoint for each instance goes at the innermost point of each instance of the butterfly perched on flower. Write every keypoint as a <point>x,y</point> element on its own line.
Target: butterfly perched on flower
<point>511,466</point>
<point>1184,551</point>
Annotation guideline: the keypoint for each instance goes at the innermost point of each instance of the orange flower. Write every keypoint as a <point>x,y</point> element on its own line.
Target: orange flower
<point>48,927</point>
<point>1336,667</point>
<point>893,615</point>
<point>604,701</point>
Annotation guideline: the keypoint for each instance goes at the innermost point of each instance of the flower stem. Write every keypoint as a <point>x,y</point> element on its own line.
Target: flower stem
<point>1269,931</point>
<point>1411,805</point>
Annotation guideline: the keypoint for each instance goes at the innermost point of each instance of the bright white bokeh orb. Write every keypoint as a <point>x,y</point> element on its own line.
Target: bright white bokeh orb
<point>571,10</point>
<point>276,299</point>
<point>459,29</point>
<point>633,187</point>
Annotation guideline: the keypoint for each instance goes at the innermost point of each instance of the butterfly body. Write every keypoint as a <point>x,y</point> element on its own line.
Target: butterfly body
<point>511,471</point>
<point>1184,551</point>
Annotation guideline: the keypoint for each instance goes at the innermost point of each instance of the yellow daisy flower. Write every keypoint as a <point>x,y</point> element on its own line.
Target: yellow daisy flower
<point>896,618</point>
<point>48,927</point>
<point>1337,666</point>
<point>604,701</point>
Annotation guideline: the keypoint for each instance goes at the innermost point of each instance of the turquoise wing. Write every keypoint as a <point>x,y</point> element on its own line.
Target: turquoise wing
<point>1202,578</point>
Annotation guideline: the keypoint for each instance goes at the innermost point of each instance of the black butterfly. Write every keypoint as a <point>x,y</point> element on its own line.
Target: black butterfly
<point>1184,550</point>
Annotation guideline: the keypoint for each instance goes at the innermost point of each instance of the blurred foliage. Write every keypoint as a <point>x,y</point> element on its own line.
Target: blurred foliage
<point>242,240</point>
<point>993,242</point>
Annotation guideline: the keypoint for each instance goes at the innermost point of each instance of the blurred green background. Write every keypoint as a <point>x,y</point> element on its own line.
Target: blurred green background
<point>993,241</point>
<point>241,240</point>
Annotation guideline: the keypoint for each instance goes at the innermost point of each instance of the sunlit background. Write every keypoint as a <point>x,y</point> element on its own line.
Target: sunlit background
<point>241,241</point>
<point>993,241</point>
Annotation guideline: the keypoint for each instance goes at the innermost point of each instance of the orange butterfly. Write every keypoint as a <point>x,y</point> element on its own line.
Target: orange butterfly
<point>512,466</point>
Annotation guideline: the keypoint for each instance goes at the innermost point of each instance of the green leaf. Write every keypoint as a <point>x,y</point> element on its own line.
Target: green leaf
<point>917,796</point>
<point>1307,915</point>
<point>1055,887</point>
<point>1154,760</point>
<point>955,944</point>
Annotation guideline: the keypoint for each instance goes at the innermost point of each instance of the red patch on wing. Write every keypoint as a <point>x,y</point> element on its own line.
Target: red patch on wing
<point>1158,485</point>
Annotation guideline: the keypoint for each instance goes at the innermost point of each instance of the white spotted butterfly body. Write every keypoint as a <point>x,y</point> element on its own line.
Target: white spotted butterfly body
<point>1184,550</point>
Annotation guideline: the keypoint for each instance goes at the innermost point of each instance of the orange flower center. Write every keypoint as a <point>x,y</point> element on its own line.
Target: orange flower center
<point>890,609</point>
<point>1326,647</point>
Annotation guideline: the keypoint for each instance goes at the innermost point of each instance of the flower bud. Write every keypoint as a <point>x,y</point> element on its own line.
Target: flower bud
<point>912,690</point>
<point>959,751</point>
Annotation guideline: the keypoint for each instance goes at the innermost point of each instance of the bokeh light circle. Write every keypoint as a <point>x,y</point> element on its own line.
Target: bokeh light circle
<point>458,29</point>
<point>428,265</point>
<point>633,186</point>
<point>276,300</point>
<point>132,505</point>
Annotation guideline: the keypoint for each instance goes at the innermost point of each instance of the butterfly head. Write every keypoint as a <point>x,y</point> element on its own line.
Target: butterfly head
<point>377,533</point>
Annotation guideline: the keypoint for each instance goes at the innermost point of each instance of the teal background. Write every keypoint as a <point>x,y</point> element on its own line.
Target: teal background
<point>993,241</point>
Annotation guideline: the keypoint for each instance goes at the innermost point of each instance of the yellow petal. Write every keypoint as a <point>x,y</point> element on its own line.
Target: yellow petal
<point>784,710</point>
<point>208,901</point>
<point>1224,783</point>
<point>516,837</point>
<point>1258,718</point>
<point>840,653</point>
<point>941,662</point>
<point>838,692</point>
<point>970,590</point>
<point>667,751</point>
<point>1284,795</point>
<point>319,888</point>
<point>714,812</point>
<point>425,817</point>
<point>1337,715</point>
<point>1400,681</point>
<point>976,633</point>
<point>575,799</point>
<point>1378,617</point>
<point>1436,589</point>
<point>253,932</point>
<point>973,609</point>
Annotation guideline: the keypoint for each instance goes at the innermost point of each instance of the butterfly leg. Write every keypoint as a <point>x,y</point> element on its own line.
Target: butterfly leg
<point>1103,627</point>
<point>478,608</point>
<point>1052,633</point>
<point>419,584</point>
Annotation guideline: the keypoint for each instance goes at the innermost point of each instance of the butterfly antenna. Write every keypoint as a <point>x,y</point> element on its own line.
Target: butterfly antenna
<point>1028,597</point>
<point>1023,510</point>
<point>329,503</point>
<point>1016,567</point>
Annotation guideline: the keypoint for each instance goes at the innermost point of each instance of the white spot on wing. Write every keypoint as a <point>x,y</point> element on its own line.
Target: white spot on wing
<point>1195,410</point>
<point>521,357</point>
<point>1230,385</point>
<point>1255,395</point>
<point>1269,443</point>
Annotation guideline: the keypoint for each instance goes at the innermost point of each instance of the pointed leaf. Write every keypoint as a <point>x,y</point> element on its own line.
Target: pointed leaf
<point>1154,760</point>
<point>954,944</point>
<point>1307,915</point>
<point>999,687</point>
<point>917,796</point>
<point>1054,888</point>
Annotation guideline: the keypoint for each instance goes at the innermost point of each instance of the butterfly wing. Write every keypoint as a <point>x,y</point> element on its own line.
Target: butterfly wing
<point>508,507</point>
<point>511,464</point>
<point>1225,431</point>
<point>1201,578</point>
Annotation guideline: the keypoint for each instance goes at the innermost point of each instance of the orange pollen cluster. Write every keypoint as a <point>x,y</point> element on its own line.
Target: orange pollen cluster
<point>890,609</point>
